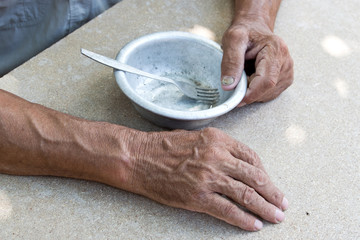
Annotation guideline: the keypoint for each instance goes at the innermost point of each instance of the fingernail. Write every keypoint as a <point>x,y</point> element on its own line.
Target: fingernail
<point>284,204</point>
<point>258,225</point>
<point>279,215</point>
<point>226,80</point>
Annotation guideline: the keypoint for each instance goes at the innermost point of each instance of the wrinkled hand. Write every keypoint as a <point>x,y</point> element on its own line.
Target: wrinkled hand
<point>206,171</point>
<point>254,45</point>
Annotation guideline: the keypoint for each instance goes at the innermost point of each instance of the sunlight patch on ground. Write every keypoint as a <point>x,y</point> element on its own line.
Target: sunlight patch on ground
<point>295,134</point>
<point>335,46</point>
<point>5,206</point>
<point>342,88</point>
<point>203,31</point>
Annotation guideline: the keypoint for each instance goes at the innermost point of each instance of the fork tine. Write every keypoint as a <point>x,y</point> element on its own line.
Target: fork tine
<point>208,98</point>
<point>208,101</point>
<point>207,89</point>
<point>212,96</point>
<point>207,92</point>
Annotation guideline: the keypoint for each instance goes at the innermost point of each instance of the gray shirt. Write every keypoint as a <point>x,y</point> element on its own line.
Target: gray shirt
<point>29,26</point>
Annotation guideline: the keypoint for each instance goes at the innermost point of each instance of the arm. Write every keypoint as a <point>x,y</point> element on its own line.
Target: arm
<point>250,41</point>
<point>35,140</point>
<point>190,170</point>
<point>264,11</point>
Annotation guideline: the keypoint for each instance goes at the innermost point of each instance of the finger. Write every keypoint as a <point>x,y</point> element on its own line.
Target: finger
<point>260,181</point>
<point>227,211</point>
<point>286,78</point>
<point>245,165</point>
<point>232,65</point>
<point>266,76</point>
<point>244,153</point>
<point>251,200</point>
<point>257,179</point>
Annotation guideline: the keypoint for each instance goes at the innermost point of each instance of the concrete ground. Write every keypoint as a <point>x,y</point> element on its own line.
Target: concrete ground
<point>308,138</point>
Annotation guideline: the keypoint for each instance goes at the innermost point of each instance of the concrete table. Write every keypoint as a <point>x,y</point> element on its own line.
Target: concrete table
<point>308,138</point>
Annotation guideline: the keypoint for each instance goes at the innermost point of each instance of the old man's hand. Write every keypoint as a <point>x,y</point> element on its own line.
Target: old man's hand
<point>206,171</point>
<point>252,45</point>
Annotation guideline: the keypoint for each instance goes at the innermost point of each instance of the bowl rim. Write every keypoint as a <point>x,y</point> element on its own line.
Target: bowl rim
<point>228,105</point>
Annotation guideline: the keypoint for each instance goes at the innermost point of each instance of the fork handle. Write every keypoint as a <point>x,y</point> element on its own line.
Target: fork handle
<point>121,66</point>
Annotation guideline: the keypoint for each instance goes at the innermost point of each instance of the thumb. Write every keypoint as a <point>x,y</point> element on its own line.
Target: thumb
<point>232,64</point>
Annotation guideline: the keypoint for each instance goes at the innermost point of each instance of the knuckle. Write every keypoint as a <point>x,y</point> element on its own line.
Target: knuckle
<point>200,201</point>
<point>280,45</point>
<point>236,34</point>
<point>212,153</point>
<point>229,210</point>
<point>291,64</point>
<point>248,196</point>
<point>206,174</point>
<point>200,196</point>
<point>289,82</point>
<point>211,130</point>
<point>283,47</point>
<point>260,178</point>
<point>213,134</point>
<point>250,156</point>
<point>290,78</point>
<point>278,48</point>
<point>271,81</point>
<point>253,158</point>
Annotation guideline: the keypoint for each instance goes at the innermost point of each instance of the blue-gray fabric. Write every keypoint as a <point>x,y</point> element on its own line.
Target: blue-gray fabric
<point>29,26</point>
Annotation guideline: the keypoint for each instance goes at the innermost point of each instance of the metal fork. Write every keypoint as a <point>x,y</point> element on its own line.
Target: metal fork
<point>188,88</point>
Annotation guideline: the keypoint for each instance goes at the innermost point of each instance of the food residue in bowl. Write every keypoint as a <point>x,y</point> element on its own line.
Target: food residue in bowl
<point>167,95</point>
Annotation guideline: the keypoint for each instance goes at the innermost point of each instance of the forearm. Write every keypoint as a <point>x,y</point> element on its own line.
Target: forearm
<point>35,140</point>
<point>259,10</point>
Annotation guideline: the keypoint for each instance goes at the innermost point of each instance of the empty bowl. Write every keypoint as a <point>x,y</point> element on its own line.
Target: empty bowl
<point>177,55</point>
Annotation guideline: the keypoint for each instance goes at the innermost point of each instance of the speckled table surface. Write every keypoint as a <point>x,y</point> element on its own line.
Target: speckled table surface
<point>308,138</point>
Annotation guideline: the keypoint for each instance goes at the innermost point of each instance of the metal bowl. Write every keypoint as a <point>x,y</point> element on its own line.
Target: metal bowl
<point>177,55</point>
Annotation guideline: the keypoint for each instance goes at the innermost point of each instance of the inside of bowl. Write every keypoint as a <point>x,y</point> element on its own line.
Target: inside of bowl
<point>180,59</point>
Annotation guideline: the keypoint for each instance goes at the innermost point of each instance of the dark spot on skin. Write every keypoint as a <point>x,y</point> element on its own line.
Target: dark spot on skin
<point>307,213</point>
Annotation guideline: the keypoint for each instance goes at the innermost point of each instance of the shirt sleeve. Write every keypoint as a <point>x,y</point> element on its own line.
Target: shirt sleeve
<point>27,27</point>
